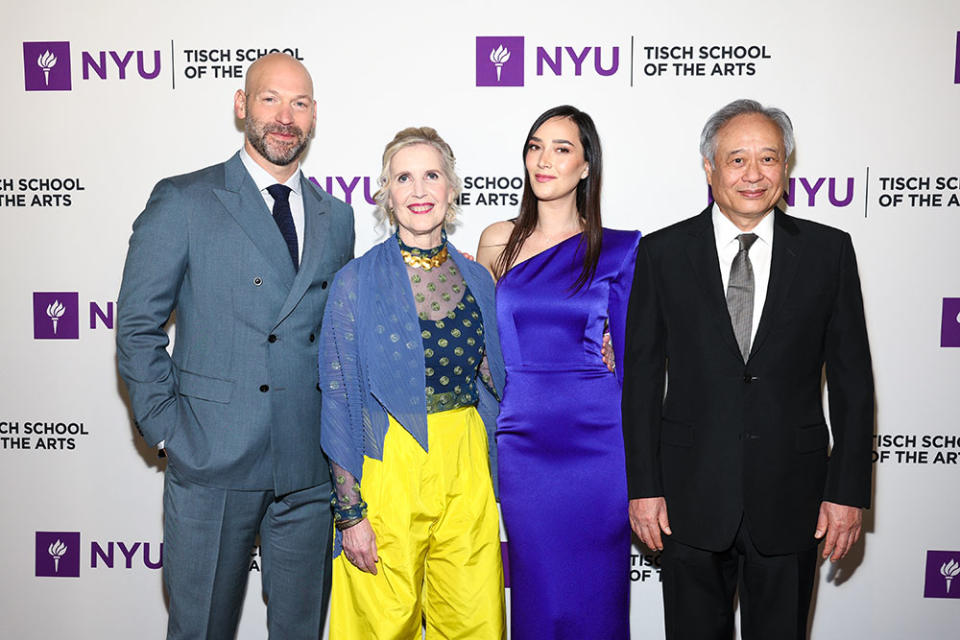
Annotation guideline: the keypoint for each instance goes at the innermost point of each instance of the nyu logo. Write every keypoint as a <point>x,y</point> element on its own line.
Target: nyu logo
<point>58,554</point>
<point>56,315</point>
<point>810,190</point>
<point>943,567</point>
<point>950,323</point>
<point>956,66</point>
<point>555,62</point>
<point>348,188</point>
<point>838,191</point>
<point>129,552</point>
<point>98,65</point>
<point>499,61</point>
<point>46,66</point>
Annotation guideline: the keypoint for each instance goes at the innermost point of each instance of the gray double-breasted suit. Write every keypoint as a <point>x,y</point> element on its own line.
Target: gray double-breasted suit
<point>237,403</point>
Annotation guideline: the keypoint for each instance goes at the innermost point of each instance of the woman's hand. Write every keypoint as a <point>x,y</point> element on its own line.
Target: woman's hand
<point>360,546</point>
<point>606,352</point>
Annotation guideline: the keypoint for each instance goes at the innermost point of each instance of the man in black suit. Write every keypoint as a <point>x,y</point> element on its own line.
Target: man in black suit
<point>743,307</point>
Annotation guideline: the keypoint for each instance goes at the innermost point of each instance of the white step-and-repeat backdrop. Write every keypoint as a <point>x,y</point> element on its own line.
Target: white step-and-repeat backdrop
<point>103,98</point>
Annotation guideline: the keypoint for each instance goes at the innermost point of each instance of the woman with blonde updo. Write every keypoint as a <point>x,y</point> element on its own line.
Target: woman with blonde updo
<point>411,373</point>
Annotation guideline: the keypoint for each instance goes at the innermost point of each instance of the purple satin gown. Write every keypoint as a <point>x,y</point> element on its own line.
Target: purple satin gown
<point>563,485</point>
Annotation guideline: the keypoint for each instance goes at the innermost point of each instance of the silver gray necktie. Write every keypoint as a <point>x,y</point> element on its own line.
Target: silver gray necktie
<point>740,294</point>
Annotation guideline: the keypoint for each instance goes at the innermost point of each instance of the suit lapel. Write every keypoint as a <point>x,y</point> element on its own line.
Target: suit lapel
<point>787,246</point>
<point>243,201</point>
<point>702,252</point>
<point>316,234</point>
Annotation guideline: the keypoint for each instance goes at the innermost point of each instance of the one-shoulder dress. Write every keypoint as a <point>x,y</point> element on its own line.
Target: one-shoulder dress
<point>563,485</point>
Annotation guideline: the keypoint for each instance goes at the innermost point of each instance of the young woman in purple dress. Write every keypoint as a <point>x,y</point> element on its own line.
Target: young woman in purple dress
<point>562,281</point>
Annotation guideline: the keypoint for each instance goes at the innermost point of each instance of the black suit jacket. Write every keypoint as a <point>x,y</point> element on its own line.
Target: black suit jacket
<point>732,440</point>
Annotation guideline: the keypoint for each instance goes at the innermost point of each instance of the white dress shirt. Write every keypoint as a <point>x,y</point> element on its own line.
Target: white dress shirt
<point>760,253</point>
<point>263,180</point>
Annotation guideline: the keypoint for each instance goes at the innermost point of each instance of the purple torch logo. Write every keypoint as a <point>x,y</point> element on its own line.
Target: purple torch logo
<point>950,323</point>
<point>57,550</point>
<point>54,311</point>
<point>949,571</point>
<point>58,554</point>
<point>941,570</point>
<point>56,315</point>
<point>46,62</point>
<point>46,66</point>
<point>499,57</point>
<point>499,61</point>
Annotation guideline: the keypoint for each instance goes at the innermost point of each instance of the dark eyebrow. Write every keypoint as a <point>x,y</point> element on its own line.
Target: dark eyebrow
<point>555,141</point>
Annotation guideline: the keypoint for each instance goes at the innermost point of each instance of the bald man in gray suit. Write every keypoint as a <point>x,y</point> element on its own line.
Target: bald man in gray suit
<point>243,252</point>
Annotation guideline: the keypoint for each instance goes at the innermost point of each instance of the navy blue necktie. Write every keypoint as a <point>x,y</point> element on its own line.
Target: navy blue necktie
<point>284,219</point>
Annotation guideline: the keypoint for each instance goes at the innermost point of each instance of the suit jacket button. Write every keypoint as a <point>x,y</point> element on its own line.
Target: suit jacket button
<point>748,379</point>
<point>257,281</point>
<point>264,388</point>
<point>312,337</point>
<point>323,285</point>
<point>271,338</point>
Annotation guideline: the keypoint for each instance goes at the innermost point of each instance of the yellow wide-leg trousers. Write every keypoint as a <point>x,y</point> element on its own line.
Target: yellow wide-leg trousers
<point>438,539</point>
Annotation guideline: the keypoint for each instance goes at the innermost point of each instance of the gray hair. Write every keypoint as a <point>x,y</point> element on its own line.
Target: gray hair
<point>405,138</point>
<point>708,137</point>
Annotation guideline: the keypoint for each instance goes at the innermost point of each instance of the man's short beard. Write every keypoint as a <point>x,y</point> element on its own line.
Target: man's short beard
<point>257,136</point>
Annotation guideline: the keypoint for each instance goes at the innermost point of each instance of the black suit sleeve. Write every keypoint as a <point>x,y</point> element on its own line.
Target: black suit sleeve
<point>851,392</point>
<point>644,366</point>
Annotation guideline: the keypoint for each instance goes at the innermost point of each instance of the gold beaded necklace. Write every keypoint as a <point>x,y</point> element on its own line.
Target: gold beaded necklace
<point>423,262</point>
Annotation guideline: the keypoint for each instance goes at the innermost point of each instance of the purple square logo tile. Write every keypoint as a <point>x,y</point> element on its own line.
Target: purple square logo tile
<point>942,577</point>
<point>950,323</point>
<point>56,316</point>
<point>499,61</point>
<point>956,64</point>
<point>46,66</point>
<point>58,554</point>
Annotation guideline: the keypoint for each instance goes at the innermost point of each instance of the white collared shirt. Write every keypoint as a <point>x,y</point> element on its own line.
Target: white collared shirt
<point>725,233</point>
<point>263,180</point>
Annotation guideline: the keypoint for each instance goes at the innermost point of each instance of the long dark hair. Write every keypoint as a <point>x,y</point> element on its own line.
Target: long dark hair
<point>588,198</point>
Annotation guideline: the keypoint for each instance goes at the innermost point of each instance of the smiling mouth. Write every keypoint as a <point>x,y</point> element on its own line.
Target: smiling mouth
<point>284,133</point>
<point>420,208</point>
<point>752,193</point>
